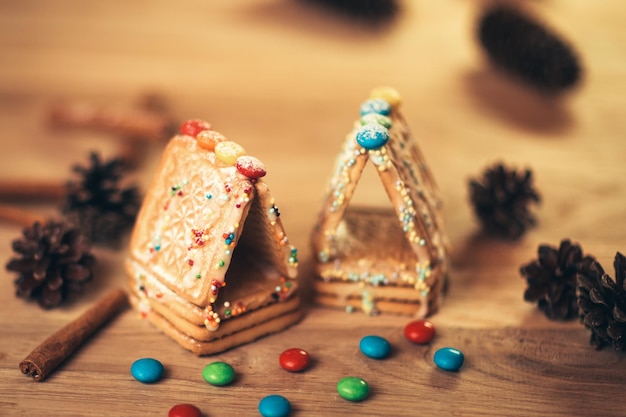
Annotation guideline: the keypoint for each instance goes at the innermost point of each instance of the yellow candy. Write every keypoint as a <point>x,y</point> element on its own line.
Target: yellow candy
<point>228,152</point>
<point>207,139</point>
<point>389,94</point>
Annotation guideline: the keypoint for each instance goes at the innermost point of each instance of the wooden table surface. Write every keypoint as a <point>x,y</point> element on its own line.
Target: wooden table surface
<point>285,80</point>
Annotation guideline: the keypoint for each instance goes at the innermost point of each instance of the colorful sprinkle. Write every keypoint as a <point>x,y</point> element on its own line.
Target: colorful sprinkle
<point>376,105</point>
<point>193,127</point>
<point>228,152</point>
<point>372,136</point>
<point>293,257</point>
<point>250,166</point>
<point>208,139</point>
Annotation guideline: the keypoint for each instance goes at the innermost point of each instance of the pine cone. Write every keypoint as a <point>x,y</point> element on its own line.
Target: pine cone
<point>53,261</point>
<point>98,205</point>
<point>552,279</point>
<point>500,200</point>
<point>373,12</point>
<point>602,304</point>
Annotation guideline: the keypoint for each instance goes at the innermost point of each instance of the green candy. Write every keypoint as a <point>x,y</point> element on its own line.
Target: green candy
<point>384,121</point>
<point>353,388</point>
<point>218,373</point>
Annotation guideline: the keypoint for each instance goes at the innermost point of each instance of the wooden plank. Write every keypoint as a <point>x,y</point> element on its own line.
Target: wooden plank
<point>286,81</point>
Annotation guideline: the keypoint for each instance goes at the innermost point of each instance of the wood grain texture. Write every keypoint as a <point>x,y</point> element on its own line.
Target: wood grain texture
<point>285,81</point>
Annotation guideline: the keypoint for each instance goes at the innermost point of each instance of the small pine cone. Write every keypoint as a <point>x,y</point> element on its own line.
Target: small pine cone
<point>98,205</point>
<point>500,200</point>
<point>552,279</point>
<point>602,304</point>
<point>53,261</point>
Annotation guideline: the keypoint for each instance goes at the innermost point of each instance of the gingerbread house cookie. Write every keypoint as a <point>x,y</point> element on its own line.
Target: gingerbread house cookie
<point>381,260</point>
<point>210,264</point>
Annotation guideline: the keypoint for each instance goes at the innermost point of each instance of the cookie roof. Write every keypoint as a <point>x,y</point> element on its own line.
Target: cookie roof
<point>207,198</point>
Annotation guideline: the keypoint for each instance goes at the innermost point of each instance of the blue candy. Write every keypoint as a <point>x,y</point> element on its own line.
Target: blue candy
<point>147,370</point>
<point>274,406</point>
<point>375,105</point>
<point>372,136</point>
<point>449,359</point>
<point>375,347</point>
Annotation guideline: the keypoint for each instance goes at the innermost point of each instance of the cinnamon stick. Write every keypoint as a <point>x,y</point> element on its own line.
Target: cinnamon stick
<point>32,189</point>
<point>137,125</point>
<point>59,346</point>
<point>20,216</point>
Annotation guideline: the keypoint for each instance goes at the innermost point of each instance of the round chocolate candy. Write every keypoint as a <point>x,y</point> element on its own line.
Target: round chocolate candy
<point>384,121</point>
<point>449,359</point>
<point>250,166</point>
<point>184,410</point>
<point>193,127</point>
<point>389,94</point>
<point>372,136</point>
<point>147,370</point>
<point>375,347</point>
<point>274,406</point>
<point>218,373</point>
<point>375,105</point>
<point>353,388</point>
<point>229,151</point>
<point>208,139</point>
<point>294,360</point>
<point>419,331</point>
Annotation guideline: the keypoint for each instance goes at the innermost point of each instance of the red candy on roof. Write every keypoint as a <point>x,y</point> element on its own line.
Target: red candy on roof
<point>250,166</point>
<point>193,127</point>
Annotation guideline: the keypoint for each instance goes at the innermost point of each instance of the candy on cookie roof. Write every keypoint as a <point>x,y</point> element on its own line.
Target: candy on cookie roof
<point>228,152</point>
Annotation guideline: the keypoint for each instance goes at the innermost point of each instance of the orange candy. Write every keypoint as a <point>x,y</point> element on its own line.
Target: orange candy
<point>207,139</point>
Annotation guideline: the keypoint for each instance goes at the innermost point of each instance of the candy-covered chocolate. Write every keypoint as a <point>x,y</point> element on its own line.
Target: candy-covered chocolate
<point>250,166</point>
<point>147,370</point>
<point>375,105</point>
<point>208,139</point>
<point>218,373</point>
<point>228,152</point>
<point>372,136</point>
<point>353,388</point>
<point>193,127</point>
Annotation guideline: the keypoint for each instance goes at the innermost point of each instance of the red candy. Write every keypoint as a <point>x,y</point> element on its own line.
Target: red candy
<point>193,127</point>
<point>184,410</point>
<point>250,166</point>
<point>419,331</point>
<point>294,360</point>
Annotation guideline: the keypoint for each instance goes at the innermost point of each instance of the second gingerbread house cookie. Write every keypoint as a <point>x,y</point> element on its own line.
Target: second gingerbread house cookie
<point>381,260</point>
<point>210,264</point>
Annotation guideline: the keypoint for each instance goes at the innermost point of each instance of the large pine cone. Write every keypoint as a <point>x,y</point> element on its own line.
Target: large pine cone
<point>602,304</point>
<point>98,204</point>
<point>501,201</point>
<point>552,279</point>
<point>53,261</point>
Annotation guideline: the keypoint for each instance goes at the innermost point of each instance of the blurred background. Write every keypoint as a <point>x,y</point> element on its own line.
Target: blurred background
<point>285,78</point>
